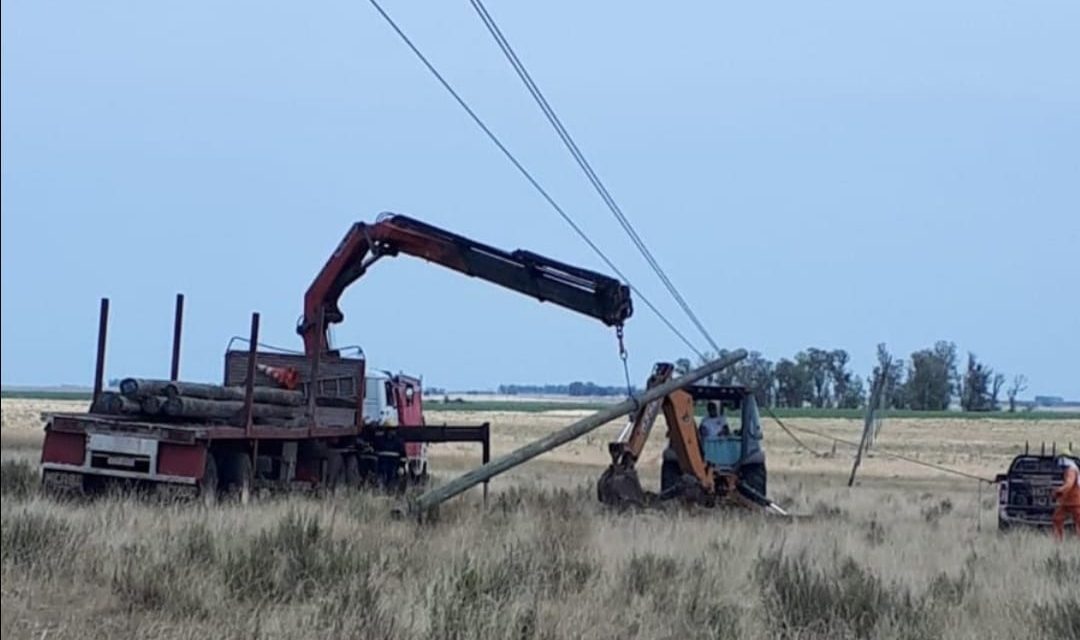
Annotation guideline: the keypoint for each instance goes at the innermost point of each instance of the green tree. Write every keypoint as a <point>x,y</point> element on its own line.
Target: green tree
<point>931,377</point>
<point>682,366</point>
<point>842,380</point>
<point>756,372</point>
<point>854,394</point>
<point>980,387</point>
<point>893,372</point>
<point>818,363</point>
<point>722,377</point>
<point>793,384</point>
<point>1018,386</point>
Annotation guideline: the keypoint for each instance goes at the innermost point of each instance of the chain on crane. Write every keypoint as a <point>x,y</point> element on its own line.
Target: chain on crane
<point>623,355</point>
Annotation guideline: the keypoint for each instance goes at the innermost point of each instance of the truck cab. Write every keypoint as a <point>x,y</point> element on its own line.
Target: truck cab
<point>396,400</point>
<point>1026,490</point>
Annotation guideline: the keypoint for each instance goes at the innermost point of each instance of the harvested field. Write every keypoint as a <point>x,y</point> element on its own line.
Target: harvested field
<point>909,553</point>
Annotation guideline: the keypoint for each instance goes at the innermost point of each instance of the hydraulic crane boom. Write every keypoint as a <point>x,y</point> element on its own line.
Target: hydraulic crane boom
<point>574,288</point>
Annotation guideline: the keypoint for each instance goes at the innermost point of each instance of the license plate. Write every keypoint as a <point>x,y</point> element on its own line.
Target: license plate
<point>119,461</point>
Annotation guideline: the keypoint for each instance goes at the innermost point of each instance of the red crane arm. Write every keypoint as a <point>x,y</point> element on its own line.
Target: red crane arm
<point>587,292</point>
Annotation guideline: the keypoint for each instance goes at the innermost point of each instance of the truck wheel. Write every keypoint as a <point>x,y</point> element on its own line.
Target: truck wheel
<point>237,475</point>
<point>335,470</point>
<point>389,469</point>
<point>418,473</point>
<point>208,484</point>
<point>353,478</point>
<point>368,463</point>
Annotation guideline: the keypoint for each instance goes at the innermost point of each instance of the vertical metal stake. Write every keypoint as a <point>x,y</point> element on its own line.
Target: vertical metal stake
<point>249,390</point>
<point>178,324</point>
<point>313,379</point>
<point>486,455</point>
<point>99,366</point>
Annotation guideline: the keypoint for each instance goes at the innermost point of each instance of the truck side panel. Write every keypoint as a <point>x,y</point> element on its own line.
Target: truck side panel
<point>181,460</point>
<point>64,448</point>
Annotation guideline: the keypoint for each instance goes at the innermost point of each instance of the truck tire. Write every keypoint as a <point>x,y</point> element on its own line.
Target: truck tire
<point>352,471</point>
<point>418,473</point>
<point>208,484</point>
<point>388,468</point>
<point>335,470</point>
<point>368,464</point>
<point>237,475</point>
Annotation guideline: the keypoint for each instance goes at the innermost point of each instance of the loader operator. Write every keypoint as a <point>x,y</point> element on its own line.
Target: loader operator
<point>1068,498</point>
<point>715,424</point>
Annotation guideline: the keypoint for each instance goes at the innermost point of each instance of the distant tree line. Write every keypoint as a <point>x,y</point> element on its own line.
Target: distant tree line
<point>928,381</point>
<point>576,388</point>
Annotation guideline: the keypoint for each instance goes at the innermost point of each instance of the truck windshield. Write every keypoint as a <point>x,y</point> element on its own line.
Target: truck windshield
<point>372,389</point>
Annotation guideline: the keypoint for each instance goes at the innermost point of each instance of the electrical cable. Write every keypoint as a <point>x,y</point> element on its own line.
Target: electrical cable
<point>525,172</point>
<point>783,426</point>
<point>586,167</point>
<point>896,456</point>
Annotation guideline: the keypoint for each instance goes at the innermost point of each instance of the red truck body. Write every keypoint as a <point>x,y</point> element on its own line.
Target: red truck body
<point>337,443</point>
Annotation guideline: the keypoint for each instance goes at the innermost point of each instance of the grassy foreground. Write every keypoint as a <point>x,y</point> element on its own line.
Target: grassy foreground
<point>536,563</point>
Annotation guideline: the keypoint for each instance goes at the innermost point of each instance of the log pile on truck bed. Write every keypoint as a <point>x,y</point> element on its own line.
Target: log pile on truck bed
<point>172,401</point>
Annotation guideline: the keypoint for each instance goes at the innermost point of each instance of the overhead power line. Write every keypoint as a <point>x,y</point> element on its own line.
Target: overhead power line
<point>579,157</point>
<point>528,176</point>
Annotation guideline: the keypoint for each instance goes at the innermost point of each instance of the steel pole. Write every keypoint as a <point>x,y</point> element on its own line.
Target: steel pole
<point>485,472</point>
<point>178,328</point>
<point>99,364</point>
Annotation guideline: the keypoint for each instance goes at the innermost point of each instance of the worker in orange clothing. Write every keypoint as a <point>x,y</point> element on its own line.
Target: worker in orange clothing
<point>1068,498</point>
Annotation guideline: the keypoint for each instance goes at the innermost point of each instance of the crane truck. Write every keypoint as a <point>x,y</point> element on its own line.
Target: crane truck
<point>332,423</point>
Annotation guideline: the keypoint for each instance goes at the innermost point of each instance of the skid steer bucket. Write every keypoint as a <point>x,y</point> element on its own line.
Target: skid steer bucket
<point>620,487</point>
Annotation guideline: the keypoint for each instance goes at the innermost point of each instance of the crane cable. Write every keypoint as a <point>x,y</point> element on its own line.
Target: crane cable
<point>528,176</point>
<point>579,157</point>
<point>571,146</point>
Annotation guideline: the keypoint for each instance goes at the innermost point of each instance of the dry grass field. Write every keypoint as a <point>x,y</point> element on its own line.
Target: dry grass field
<point>907,553</point>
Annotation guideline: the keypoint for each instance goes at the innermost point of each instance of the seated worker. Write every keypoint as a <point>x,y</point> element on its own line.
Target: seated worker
<point>715,423</point>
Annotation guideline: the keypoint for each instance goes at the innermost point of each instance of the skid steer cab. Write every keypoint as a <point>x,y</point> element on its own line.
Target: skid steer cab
<point>730,442</point>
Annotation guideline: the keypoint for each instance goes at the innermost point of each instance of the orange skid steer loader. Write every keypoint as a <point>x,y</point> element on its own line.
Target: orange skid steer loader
<point>726,469</point>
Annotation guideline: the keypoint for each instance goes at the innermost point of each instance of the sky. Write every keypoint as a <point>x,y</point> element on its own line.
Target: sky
<point>832,174</point>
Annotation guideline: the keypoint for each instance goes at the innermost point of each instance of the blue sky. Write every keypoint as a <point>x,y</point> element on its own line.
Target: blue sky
<point>831,174</point>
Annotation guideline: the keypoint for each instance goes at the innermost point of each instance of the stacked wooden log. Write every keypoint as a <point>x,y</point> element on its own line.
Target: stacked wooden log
<point>199,402</point>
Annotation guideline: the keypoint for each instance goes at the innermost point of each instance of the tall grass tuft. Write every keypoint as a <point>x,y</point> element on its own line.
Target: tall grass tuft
<point>293,560</point>
<point>36,541</point>
<point>1060,618</point>
<point>848,601</point>
<point>144,581</point>
<point>18,479</point>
